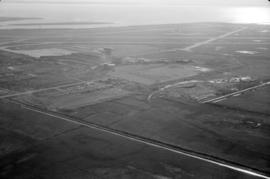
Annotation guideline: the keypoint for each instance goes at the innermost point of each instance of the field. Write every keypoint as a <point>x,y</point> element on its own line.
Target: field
<point>151,74</point>
<point>80,100</point>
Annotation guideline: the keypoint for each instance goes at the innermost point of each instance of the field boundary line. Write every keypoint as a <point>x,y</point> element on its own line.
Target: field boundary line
<point>152,142</point>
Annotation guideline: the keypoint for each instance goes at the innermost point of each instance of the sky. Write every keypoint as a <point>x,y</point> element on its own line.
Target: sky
<point>154,2</point>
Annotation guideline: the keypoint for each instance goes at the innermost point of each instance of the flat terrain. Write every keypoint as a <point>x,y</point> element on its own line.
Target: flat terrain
<point>4,19</point>
<point>161,101</point>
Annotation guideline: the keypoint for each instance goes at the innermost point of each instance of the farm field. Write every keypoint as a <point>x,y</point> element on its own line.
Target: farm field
<point>143,99</point>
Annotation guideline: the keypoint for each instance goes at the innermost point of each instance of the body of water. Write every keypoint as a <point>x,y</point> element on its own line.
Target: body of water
<point>124,15</point>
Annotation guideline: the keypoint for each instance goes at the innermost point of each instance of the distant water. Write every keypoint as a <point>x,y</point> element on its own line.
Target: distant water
<point>123,15</point>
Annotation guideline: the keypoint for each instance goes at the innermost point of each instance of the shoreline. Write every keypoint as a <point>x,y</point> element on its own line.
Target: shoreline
<point>115,25</point>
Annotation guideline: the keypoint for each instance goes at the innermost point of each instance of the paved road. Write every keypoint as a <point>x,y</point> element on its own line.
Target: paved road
<point>189,48</point>
<point>149,143</point>
<point>170,86</point>
<point>43,89</point>
<point>237,93</point>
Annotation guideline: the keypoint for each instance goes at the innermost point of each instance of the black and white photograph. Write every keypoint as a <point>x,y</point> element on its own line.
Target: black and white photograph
<point>134,89</point>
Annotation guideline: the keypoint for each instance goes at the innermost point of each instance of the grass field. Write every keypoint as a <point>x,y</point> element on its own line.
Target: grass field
<point>104,77</point>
